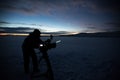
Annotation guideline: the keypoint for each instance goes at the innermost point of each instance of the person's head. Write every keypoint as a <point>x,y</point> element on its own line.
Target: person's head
<point>36,33</point>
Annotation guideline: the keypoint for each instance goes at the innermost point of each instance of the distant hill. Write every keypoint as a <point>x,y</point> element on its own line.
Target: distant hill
<point>100,34</point>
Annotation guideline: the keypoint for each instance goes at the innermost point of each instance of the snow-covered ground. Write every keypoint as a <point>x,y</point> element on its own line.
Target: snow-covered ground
<point>75,58</point>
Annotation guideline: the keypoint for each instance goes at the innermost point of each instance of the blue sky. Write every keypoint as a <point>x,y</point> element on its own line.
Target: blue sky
<point>75,16</point>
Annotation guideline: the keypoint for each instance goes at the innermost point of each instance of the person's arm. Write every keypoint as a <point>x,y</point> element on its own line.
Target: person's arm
<point>49,40</point>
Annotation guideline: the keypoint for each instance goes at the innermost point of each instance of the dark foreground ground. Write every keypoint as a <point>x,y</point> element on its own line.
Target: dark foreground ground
<point>75,58</point>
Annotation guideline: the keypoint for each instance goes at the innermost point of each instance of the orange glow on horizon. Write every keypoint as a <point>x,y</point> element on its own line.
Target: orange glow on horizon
<point>26,34</point>
<point>13,34</point>
<point>21,34</point>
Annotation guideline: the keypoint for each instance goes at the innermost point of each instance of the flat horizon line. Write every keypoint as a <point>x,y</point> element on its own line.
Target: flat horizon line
<point>26,34</point>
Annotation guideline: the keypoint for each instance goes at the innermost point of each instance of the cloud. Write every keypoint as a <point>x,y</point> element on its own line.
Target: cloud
<point>108,26</point>
<point>61,6</point>
<point>28,30</point>
<point>94,29</point>
<point>99,5</point>
<point>18,27</point>
<point>16,30</point>
<point>4,22</point>
<point>16,8</point>
<point>31,6</point>
<point>105,27</point>
<point>57,32</point>
<point>90,25</point>
<point>114,24</point>
<point>105,6</point>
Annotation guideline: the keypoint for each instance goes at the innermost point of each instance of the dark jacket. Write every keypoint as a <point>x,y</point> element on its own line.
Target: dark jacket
<point>31,42</point>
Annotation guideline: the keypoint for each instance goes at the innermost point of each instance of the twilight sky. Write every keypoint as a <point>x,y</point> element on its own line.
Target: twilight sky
<point>71,16</point>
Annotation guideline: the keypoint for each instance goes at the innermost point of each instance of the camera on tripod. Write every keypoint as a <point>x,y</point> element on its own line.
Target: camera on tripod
<point>47,45</point>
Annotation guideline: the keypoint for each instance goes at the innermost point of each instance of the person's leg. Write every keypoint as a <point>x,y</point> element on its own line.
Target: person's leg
<point>26,61</point>
<point>35,62</point>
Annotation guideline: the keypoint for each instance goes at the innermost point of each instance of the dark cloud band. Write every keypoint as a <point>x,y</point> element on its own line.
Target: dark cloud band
<point>47,6</point>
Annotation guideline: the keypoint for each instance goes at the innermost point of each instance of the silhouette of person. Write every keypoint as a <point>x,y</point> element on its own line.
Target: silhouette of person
<point>32,41</point>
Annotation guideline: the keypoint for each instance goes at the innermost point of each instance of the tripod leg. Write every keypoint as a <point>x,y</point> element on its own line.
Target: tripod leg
<point>49,71</point>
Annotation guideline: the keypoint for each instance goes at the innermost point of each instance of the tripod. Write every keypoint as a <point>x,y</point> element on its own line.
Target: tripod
<point>43,49</point>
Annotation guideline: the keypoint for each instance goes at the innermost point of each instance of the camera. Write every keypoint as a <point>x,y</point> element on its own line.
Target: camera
<point>46,46</point>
